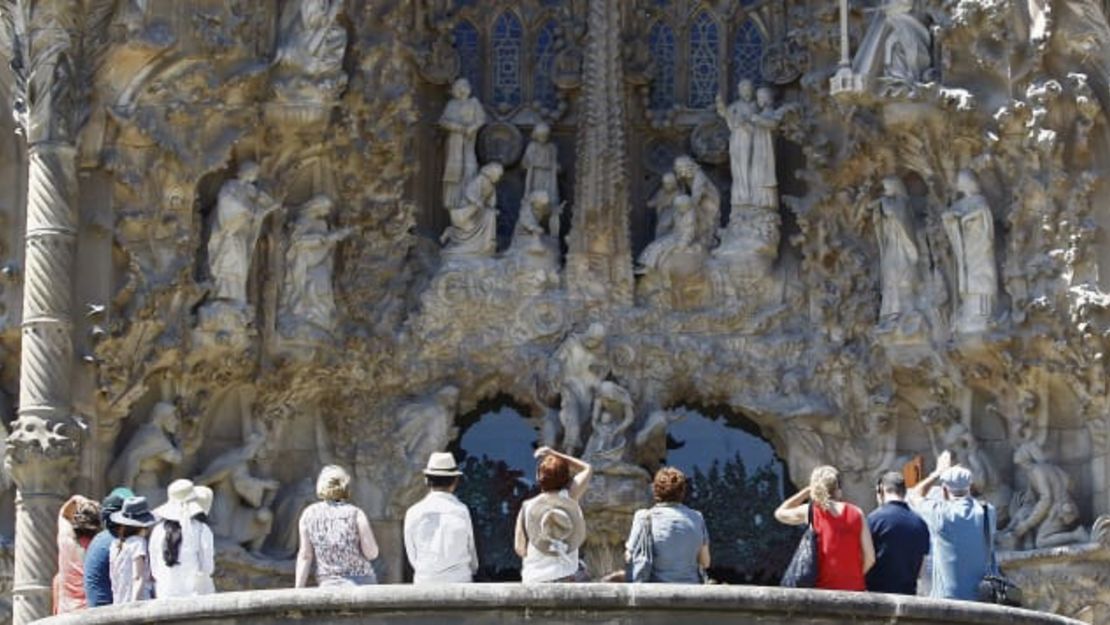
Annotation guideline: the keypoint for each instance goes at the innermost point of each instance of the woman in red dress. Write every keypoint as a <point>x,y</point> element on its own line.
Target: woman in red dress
<point>844,548</point>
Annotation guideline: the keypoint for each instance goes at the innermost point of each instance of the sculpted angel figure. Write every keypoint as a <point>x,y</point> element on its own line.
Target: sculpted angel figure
<point>898,253</point>
<point>240,210</point>
<point>739,116</point>
<point>969,224</point>
<point>313,42</point>
<point>582,366</point>
<point>462,119</point>
<point>307,294</point>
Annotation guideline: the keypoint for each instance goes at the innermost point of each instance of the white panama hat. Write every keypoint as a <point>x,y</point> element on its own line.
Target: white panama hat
<point>442,464</point>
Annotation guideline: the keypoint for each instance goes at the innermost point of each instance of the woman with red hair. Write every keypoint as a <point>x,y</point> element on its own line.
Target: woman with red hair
<point>550,527</point>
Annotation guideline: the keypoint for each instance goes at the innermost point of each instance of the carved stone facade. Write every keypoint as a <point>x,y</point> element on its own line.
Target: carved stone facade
<point>243,239</point>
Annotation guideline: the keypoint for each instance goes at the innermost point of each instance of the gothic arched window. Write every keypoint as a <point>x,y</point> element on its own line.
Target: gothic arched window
<point>507,45</point>
<point>469,46</point>
<point>543,88</point>
<point>661,41</point>
<point>704,44</point>
<point>747,53</point>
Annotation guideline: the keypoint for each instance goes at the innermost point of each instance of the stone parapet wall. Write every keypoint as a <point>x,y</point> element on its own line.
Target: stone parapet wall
<point>556,603</point>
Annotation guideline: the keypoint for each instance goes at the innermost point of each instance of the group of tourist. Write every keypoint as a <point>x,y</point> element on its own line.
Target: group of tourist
<point>120,551</point>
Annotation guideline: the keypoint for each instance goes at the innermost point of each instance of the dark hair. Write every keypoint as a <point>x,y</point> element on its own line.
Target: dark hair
<point>124,532</point>
<point>669,485</point>
<point>892,482</point>
<point>171,550</point>
<point>202,517</point>
<point>440,481</point>
<point>553,474</point>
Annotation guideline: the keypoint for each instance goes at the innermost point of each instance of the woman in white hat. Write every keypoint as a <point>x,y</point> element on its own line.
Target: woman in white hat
<point>181,547</point>
<point>128,563</point>
<point>335,535</point>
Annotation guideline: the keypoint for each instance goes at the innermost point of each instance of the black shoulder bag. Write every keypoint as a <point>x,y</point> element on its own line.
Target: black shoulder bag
<point>996,587</point>
<point>802,570</point>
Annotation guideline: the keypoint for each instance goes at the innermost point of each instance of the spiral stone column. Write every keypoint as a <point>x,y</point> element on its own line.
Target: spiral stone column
<point>42,450</point>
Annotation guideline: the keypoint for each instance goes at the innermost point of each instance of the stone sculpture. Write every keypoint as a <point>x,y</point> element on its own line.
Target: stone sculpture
<point>898,255</point>
<point>582,364</point>
<point>307,296</point>
<point>969,224</point>
<point>1045,514</point>
<point>240,210</point>
<point>149,455</point>
<point>739,115</point>
<point>705,197</point>
<point>541,161</point>
<point>241,512</point>
<point>895,49</point>
<point>610,445</point>
<point>473,230</point>
<point>662,202</point>
<point>462,119</point>
<point>682,238</point>
<point>309,58</point>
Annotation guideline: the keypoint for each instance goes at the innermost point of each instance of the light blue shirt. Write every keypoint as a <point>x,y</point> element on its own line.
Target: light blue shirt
<point>678,533</point>
<point>960,555</point>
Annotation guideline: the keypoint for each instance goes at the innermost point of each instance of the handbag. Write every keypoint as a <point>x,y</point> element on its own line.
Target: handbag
<point>995,587</point>
<point>802,570</point>
<point>640,556</point>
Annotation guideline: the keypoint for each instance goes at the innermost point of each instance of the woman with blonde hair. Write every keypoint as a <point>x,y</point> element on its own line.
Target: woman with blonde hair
<point>336,535</point>
<point>844,548</point>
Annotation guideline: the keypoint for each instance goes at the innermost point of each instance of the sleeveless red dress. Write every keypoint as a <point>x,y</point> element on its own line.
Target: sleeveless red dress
<point>839,550</point>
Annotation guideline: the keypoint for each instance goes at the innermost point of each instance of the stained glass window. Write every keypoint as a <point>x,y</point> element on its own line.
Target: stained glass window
<point>661,41</point>
<point>747,53</point>
<point>704,43</point>
<point>469,47</point>
<point>507,44</point>
<point>543,89</point>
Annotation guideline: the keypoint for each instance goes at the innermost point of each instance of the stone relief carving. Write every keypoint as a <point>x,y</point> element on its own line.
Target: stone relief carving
<point>473,230</point>
<point>541,161</point>
<point>462,119</point>
<point>680,240</point>
<point>898,253</point>
<point>307,308</point>
<point>896,51</point>
<point>240,210</point>
<point>150,454</point>
<point>1045,513</point>
<point>705,198</point>
<point>241,513</point>
<point>582,364</point>
<point>969,224</point>
<point>309,61</point>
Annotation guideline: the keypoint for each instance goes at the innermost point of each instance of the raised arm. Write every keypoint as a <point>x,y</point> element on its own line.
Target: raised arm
<point>305,555</point>
<point>582,471</point>
<point>794,511</point>
<point>918,493</point>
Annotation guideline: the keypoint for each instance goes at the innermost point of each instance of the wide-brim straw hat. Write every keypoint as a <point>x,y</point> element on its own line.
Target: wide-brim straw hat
<point>135,513</point>
<point>181,503</point>
<point>442,464</point>
<point>554,524</point>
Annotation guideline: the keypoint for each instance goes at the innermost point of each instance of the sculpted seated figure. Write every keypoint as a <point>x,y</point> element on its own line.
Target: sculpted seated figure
<point>473,229</point>
<point>150,452</point>
<point>1047,515</point>
<point>682,238</point>
<point>310,57</point>
<point>241,507</point>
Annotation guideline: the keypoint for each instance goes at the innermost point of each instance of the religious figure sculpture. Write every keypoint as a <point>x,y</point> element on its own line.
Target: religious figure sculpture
<point>307,295</point>
<point>583,365</point>
<point>473,229</point>
<point>705,197</point>
<point>241,505</point>
<point>969,224</point>
<point>309,58</point>
<point>739,115</point>
<point>663,204</point>
<point>898,253</point>
<point>462,119</point>
<point>895,49</point>
<point>149,453</point>
<point>240,210</point>
<point>541,161</point>
<point>609,446</point>
<point>1046,514</point>
<point>680,239</point>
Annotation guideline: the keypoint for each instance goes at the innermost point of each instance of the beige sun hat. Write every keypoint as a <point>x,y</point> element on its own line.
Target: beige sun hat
<point>554,524</point>
<point>442,464</point>
<point>181,502</point>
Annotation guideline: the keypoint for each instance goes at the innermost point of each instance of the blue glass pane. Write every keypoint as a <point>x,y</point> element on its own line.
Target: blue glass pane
<point>465,3</point>
<point>704,43</point>
<point>469,46</point>
<point>543,88</point>
<point>747,53</point>
<point>507,44</point>
<point>726,462</point>
<point>661,41</point>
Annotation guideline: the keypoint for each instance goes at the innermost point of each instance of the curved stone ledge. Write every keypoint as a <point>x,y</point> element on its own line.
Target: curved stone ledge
<point>554,603</point>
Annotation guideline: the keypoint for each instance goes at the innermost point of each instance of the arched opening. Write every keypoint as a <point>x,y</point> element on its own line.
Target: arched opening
<point>494,448</point>
<point>736,479</point>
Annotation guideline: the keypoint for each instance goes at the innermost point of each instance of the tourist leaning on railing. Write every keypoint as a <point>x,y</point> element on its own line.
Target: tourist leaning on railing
<point>439,537</point>
<point>844,549</point>
<point>675,536</point>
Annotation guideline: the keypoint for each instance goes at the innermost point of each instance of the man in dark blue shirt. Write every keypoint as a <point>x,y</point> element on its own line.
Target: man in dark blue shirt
<point>901,539</point>
<point>98,580</point>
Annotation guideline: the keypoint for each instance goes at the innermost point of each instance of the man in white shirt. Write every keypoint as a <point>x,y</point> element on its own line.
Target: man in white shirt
<point>439,538</point>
